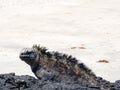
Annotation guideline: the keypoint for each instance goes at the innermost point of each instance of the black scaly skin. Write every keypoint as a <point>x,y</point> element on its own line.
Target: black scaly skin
<point>60,67</point>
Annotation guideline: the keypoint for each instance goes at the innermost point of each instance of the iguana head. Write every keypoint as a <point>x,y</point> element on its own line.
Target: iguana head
<point>28,55</point>
<point>31,55</point>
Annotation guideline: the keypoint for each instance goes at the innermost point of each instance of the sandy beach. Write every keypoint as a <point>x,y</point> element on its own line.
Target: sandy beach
<point>86,29</point>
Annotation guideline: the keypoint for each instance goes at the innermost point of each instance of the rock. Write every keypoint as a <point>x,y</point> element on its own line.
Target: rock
<point>13,82</point>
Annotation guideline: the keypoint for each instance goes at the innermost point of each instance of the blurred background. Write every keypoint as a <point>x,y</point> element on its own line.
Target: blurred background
<point>86,29</point>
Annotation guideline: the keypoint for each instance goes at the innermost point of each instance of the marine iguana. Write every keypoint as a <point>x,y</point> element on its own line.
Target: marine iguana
<point>58,66</point>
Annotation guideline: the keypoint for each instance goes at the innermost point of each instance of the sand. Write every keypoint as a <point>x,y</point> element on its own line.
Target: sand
<point>86,29</point>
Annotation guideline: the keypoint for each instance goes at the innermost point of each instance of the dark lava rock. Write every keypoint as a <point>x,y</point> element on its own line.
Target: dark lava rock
<point>13,82</point>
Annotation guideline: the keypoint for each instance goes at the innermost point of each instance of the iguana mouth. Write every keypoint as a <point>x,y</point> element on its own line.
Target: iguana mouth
<point>24,57</point>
